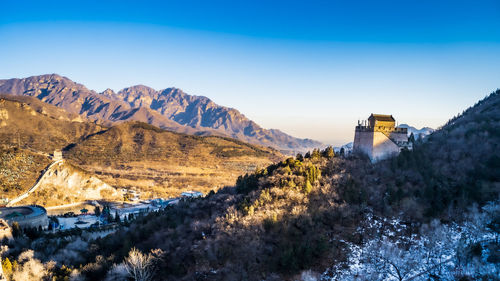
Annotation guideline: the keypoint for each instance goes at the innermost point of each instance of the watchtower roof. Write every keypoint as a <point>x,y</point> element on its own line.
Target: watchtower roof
<point>382,117</point>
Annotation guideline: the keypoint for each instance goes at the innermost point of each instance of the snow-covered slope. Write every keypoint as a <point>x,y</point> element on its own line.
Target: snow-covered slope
<point>454,251</point>
<point>347,147</point>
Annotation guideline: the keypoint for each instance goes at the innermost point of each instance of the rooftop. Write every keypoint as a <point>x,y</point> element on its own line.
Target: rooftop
<point>382,117</point>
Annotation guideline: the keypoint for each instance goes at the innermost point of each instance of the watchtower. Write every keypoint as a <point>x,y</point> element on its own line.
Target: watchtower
<point>57,155</point>
<point>379,138</point>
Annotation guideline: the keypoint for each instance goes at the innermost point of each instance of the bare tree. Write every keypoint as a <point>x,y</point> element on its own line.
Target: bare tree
<point>29,268</point>
<point>139,266</point>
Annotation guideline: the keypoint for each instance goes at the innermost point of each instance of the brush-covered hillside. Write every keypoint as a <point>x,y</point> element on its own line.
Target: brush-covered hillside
<point>159,162</point>
<point>307,217</point>
<point>19,170</point>
<point>29,123</point>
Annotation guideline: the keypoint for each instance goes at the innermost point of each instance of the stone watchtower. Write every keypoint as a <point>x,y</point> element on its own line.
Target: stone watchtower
<point>379,138</point>
<point>57,155</point>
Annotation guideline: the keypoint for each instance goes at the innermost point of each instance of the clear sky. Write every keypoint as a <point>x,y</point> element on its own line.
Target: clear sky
<point>309,68</point>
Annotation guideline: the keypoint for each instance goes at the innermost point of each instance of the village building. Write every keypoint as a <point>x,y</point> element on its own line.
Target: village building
<point>379,138</point>
<point>191,194</point>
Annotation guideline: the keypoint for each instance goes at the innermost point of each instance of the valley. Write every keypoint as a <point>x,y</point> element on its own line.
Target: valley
<point>130,155</point>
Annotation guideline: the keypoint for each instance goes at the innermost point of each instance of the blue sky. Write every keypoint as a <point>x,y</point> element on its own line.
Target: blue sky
<point>310,68</point>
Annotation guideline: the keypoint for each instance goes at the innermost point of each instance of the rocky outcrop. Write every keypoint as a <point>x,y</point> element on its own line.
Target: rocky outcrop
<point>63,183</point>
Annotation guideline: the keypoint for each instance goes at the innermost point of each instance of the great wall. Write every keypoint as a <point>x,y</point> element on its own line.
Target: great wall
<point>72,183</point>
<point>379,138</point>
<point>35,186</point>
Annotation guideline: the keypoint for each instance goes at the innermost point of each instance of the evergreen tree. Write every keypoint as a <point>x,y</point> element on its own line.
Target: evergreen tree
<point>97,211</point>
<point>299,157</point>
<point>315,154</point>
<point>117,217</point>
<point>328,152</point>
<point>16,230</point>
<point>109,217</point>
<point>411,139</point>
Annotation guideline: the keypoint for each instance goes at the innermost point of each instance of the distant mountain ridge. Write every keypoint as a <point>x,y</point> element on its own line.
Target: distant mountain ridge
<point>425,131</point>
<point>170,109</point>
<point>76,98</point>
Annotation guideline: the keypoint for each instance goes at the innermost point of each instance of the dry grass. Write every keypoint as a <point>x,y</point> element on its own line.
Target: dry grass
<point>165,179</point>
<point>164,164</point>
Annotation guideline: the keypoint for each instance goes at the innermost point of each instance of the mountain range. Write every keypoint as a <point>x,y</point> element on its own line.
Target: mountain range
<point>170,109</point>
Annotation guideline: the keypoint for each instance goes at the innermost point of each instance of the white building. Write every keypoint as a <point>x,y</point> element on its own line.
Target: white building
<point>191,194</point>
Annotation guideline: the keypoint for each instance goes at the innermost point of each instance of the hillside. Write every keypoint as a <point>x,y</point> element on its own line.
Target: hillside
<point>131,154</point>
<point>28,123</point>
<point>159,162</point>
<point>66,184</point>
<point>169,109</point>
<point>19,170</point>
<point>311,216</point>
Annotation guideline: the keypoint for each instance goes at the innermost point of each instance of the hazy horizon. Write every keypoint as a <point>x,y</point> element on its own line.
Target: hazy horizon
<point>311,71</point>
